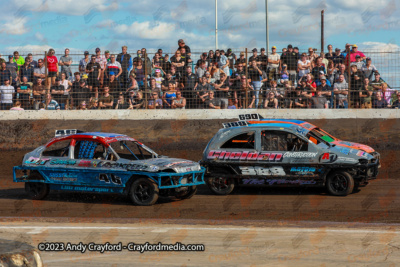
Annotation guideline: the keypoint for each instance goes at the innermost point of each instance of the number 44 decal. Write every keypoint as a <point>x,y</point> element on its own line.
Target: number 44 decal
<point>115,179</point>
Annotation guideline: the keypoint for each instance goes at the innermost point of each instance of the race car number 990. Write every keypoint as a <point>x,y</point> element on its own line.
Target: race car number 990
<point>248,117</point>
<point>115,179</point>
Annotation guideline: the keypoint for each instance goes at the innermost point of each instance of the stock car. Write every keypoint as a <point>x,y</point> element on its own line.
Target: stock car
<point>106,163</point>
<point>282,152</point>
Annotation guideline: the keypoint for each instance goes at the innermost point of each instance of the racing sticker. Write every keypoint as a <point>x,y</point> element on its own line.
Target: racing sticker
<point>300,155</point>
<point>303,170</point>
<point>273,171</point>
<point>63,176</point>
<point>245,155</point>
<point>277,181</point>
<point>36,161</point>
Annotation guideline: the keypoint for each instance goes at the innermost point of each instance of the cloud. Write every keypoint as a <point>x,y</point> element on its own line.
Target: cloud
<point>144,30</point>
<point>15,27</point>
<point>379,47</point>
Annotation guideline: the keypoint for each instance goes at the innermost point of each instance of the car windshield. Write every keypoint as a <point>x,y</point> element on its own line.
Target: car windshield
<point>322,134</point>
<point>132,150</point>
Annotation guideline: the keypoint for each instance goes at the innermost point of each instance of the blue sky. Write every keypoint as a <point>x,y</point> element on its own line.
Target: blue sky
<point>35,25</point>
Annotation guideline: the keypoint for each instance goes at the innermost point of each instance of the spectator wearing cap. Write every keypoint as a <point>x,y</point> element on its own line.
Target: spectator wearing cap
<point>101,59</point>
<point>319,101</point>
<point>50,103</point>
<point>326,90</point>
<point>113,66</point>
<point>330,54</point>
<point>224,63</point>
<point>13,68</point>
<point>290,58</point>
<point>94,71</point>
<point>222,91</point>
<point>232,60</point>
<point>356,83</point>
<point>366,94</point>
<point>155,102</point>
<point>57,92</point>
<point>312,56</point>
<point>106,101</point>
<point>203,58</point>
<point>26,71</point>
<point>168,79</point>
<point>274,60</point>
<point>4,73</point>
<point>342,71</point>
<point>296,50</point>
<point>358,63</point>
<point>254,57</point>
<point>338,58</point>
<point>303,65</point>
<point>341,90</point>
<point>368,69</point>
<point>52,67</point>
<point>354,53</point>
<point>190,84</point>
<point>377,83</point>
<point>321,75</point>
<point>40,71</point>
<point>65,62</point>
<point>7,94</point>
<point>202,69</point>
<point>242,60</point>
<point>18,59</point>
<point>347,49</point>
<point>158,80</point>
<point>396,103</point>
<point>114,85</point>
<point>379,101</point>
<point>126,64</point>
<point>165,64</point>
<point>254,74</point>
<point>318,67</point>
<point>107,55</point>
<point>181,43</point>
<point>83,63</point>
<point>263,59</point>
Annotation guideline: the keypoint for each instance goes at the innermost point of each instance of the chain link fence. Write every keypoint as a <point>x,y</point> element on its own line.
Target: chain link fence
<point>155,79</point>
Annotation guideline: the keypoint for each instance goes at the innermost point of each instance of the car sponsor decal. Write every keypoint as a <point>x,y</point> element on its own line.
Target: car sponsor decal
<point>273,171</point>
<point>87,163</point>
<point>304,170</point>
<point>345,150</point>
<point>85,188</point>
<point>300,155</point>
<point>36,161</point>
<point>360,153</point>
<point>245,155</point>
<point>62,162</point>
<point>234,124</point>
<point>277,181</point>
<point>127,166</point>
<point>349,160</point>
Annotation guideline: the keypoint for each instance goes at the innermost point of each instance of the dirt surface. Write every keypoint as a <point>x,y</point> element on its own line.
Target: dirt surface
<point>378,202</point>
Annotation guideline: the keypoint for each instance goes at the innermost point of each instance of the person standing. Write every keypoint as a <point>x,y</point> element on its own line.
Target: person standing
<point>65,63</point>
<point>52,68</point>
<point>126,64</point>
<point>7,94</point>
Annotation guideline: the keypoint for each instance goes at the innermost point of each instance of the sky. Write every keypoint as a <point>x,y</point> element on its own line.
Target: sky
<point>37,25</point>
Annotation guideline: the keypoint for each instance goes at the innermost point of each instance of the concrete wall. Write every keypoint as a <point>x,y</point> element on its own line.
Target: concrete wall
<point>186,133</point>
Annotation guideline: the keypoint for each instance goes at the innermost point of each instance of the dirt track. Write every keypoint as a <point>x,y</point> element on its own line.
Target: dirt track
<point>379,202</point>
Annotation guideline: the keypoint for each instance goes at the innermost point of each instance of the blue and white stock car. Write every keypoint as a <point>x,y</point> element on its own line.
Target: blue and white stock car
<point>106,163</point>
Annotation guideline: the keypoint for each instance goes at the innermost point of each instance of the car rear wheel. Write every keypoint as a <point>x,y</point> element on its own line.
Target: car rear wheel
<point>144,192</point>
<point>187,193</point>
<point>37,191</point>
<point>340,183</point>
<point>220,185</point>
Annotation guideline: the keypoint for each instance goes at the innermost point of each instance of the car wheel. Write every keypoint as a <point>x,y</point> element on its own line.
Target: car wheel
<point>188,193</point>
<point>340,183</point>
<point>221,185</point>
<point>144,192</point>
<point>37,191</point>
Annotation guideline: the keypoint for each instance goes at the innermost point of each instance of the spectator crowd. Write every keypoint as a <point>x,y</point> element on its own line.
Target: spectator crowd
<point>218,80</point>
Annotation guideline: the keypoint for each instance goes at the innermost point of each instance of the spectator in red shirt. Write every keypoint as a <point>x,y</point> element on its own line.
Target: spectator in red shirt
<point>52,68</point>
<point>353,53</point>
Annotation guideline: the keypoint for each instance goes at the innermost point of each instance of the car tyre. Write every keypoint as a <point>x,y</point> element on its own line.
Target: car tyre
<point>188,193</point>
<point>340,183</point>
<point>220,185</point>
<point>36,190</point>
<point>144,192</point>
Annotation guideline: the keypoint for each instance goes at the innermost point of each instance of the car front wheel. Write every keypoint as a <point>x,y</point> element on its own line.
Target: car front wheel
<point>340,183</point>
<point>220,185</point>
<point>37,191</point>
<point>144,192</point>
<point>187,193</point>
